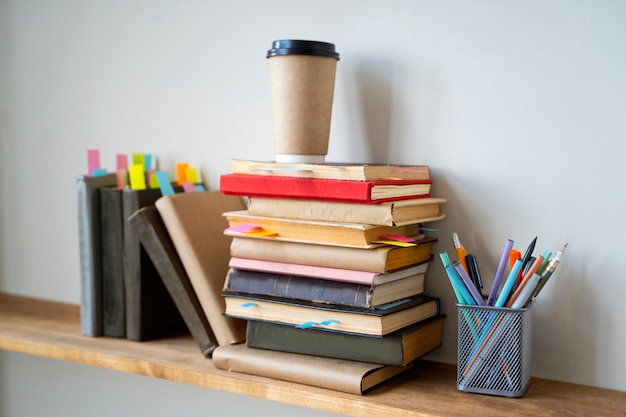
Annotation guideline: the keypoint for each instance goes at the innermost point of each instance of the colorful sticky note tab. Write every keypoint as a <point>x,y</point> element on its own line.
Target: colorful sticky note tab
<point>99,172</point>
<point>137,178</point>
<point>245,228</point>
<point>165,185</point>
<point>121,162</point>
<point>147,161</point>
<point>399,238</point>
<point>395,243</point>
<point>93,160</point>
<point>192,175</point>
<point>138,159</point>
<point>306,325</point>
<point>122,179</point>
<point>200,187</point>
<point>248,305</point>
<point>189,187</point>
<point>181,172</point>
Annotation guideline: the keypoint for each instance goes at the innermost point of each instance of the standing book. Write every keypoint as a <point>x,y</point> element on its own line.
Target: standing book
<point>336,374</point>
<point>195,224</point>
<point>400,348</point>
<point>88,199</point>
<point>112,238</point>
<point>332,170</point>
<point>150,310</point>
<point>358,235</point>
<point>368,322</point>
<point>381,259</point>
<point>149,226</point>
<point>393,213</point>
<point>323,189</point>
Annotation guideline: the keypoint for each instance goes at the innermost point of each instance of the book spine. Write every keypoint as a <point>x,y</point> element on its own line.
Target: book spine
<point>88,216</point>
<point>299,288</point>
<point>112,238</point>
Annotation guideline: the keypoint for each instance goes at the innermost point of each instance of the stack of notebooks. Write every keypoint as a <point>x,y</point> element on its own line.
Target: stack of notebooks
<point>329,261</point>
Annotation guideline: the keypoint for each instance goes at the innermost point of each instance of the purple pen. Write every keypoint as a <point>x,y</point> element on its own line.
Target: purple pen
<point>493,294</point>
<point>477,296</point>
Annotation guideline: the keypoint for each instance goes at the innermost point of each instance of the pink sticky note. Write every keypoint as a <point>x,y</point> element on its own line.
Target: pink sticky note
<point>188,187</point>
<point>93,160</point>
<point>245,228</point>
<point>121,162</point>
<point>398,238</point>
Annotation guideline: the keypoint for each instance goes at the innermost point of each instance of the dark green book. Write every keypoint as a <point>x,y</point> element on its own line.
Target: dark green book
<point>154,237</point>
<point>150,310</point>
<point>399,348</point>
<point>112,241</point>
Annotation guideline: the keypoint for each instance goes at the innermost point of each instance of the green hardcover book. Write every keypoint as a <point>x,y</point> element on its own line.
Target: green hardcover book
<point>399,348</point>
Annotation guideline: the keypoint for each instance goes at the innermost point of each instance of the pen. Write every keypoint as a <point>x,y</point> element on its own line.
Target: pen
<point>456,280</point>
<point>460,250</point>
<point>531,272</point>
<point>554,262</point>
<point>546,259</point>
<point>474,273</point>
<point>506,289</point>
<point>526,294</point>
<point>529,252</point>
<point>493,293</point>
<point>445,260</point>
<point>477,296</point>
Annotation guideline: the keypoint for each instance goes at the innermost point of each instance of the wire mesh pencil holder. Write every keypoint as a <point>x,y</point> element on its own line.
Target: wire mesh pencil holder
<point>494,350</point>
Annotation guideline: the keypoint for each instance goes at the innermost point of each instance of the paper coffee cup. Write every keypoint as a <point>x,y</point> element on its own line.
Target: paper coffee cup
<point>302,75</point>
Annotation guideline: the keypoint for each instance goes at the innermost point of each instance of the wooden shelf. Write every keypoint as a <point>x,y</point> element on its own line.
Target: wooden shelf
<point>52,330</point>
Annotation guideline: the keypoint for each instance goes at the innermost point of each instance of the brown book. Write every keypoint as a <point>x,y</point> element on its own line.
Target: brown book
<point>154,238</point>
<point>369,322</point>
<point>382,259</point>
<point>335,374</point>
<point>358,235</point>
<point>399,349</point>
<point>195,224</point>
<point>395,213</point>
<point>332,170</point>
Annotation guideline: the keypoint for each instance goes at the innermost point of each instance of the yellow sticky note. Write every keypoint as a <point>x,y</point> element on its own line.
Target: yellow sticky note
<point>192,175</point>
<point>138,159</point>
<point>137,178</point>
<point>154,181</point>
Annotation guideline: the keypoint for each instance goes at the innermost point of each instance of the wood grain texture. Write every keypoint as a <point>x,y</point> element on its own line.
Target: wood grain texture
<point>52,330</point>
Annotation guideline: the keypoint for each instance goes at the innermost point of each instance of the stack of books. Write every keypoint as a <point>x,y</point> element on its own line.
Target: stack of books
<point>330,260</point>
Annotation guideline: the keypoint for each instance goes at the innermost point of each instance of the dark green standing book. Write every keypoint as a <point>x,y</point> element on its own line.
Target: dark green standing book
<point>88,199</point>
<point>154,237</point>
<point>400,348</point>
<point>150,310</point>
<point>112,241</point>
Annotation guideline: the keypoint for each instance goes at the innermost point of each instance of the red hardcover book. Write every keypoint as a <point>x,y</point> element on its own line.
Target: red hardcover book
<point>323,189</point>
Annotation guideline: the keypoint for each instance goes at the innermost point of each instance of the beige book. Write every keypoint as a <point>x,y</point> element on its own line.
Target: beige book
<point>394,213</point>
<point>358,235</point>
<point>382,259</point>
<point>195,223</point>
<point>335,374</point>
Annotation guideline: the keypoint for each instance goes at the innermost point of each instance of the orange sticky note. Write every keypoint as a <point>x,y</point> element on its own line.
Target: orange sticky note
<point>137,178</point>
<point>181,172</point>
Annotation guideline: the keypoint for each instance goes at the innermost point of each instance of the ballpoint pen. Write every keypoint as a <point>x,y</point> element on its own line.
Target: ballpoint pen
<point>554,262</point>
<point>493,293</point>
<point>529,253</point>
<point>460,251</point>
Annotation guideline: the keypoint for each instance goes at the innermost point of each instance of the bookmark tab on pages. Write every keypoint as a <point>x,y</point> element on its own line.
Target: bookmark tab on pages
<point>93,161</point>
<point>251,229</point>
<point>164,183</point>
<point>188,187</point>
<point>192,175</point>
<point>181,173</point>
<point>396,240</point>
<point>137,178</point>
<point>121,161</point>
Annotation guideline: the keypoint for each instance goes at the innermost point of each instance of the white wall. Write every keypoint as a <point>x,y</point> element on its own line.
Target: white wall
<point>517,106</point>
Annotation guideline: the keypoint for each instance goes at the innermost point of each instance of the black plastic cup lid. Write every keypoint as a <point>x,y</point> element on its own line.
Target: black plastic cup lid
<point>298,47</point>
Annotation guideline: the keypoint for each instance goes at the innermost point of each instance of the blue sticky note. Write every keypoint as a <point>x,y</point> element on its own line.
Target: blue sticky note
<point>164,183</point>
